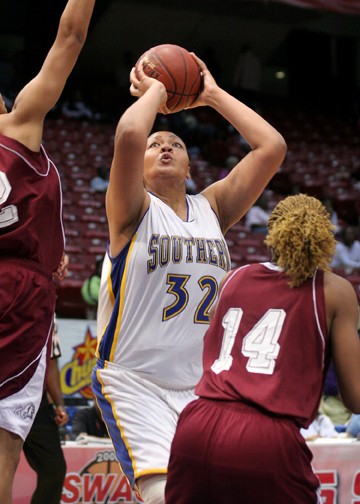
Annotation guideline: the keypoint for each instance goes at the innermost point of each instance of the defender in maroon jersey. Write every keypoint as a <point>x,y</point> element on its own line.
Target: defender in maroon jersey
<point>265,357</point>
<point>31,240</point>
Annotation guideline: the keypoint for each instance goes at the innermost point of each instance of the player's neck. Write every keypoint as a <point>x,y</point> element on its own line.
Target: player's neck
<point>175,200</point>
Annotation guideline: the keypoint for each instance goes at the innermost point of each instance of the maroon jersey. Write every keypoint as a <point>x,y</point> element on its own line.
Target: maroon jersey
<point>239,455</point>
<point>27,303</point>
<point>30,205</point>
<point>268,343</point>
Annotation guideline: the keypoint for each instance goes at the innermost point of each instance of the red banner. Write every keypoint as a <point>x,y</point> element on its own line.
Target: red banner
<point>93,475</point>
<point>344,6</point>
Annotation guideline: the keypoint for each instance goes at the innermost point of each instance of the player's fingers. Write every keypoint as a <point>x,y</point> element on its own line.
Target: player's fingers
<point>133,74</point>
<point>199,61</point>
<point>134,91</point>
<point>140,69</point>
<point>164,110</point>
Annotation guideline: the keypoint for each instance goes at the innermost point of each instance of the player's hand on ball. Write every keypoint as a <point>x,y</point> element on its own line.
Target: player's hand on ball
<point>209,85</point>
<point>141,83</point>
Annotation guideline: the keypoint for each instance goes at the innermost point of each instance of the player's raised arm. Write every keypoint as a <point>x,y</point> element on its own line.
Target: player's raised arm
<point>126,198</point>
<point>40,95</point>
<point>232,196</point>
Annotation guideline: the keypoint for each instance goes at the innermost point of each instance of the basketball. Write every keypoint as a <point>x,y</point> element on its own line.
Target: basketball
<point>177,70</point>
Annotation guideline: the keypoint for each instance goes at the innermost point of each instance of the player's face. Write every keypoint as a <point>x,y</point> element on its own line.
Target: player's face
<point>165,155</point>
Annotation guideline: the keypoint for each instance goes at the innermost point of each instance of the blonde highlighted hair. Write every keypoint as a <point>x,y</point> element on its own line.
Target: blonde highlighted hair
<point>301,237</point>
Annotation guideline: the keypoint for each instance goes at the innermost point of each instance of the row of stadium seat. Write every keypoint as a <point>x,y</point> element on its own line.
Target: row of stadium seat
<point>322,160</point>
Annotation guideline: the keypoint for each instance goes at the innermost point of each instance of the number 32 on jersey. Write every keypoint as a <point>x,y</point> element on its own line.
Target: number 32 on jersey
<point>260,345</point>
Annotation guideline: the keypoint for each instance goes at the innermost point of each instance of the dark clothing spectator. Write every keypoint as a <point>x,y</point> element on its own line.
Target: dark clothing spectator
<point>88,421</point>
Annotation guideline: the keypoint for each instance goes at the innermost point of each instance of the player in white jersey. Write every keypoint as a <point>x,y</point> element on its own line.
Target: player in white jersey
<point>168,286</point>
<point>166,257</point>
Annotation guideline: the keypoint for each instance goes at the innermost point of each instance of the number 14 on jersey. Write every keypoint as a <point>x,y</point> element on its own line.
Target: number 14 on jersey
<point>260,345</point>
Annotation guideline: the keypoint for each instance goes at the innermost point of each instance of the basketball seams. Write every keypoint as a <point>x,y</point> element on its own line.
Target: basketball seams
<point>174,66</point>
<point>176,94</point>
<point>156,59</point>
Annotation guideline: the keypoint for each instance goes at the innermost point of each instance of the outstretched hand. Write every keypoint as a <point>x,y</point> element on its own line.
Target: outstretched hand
<point>141,83</point>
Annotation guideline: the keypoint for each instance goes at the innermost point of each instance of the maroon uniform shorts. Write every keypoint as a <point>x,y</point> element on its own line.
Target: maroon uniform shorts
<point>231,453</point>
<point>27,302</point>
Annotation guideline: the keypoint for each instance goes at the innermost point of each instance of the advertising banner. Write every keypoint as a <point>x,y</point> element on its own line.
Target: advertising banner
<point>78,344</point>
<point>93,475</point>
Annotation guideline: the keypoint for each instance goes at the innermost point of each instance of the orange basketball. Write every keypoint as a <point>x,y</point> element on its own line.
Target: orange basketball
<point>177,70</point>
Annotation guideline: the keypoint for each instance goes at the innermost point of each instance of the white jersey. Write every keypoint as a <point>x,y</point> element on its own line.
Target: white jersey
<point>155,296</point>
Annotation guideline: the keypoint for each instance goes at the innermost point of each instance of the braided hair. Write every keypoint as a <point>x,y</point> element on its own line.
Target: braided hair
<point>301,237</point>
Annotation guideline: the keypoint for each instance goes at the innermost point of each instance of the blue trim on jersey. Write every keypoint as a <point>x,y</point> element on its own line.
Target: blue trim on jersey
<point>187,209</point>
<point>110,420</point>
<point>116,275</point>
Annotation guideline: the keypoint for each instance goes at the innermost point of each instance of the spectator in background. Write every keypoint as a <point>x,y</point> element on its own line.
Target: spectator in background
<point>257,216</point>
<point>89,422</point>
<point>321,427</point>
<point>76,108</point>
<point>42,447</point>
<point>347,254</point>
<point>101,181</point>
<point>90,289</point>
<point>331,403</point>
<point>329,205</point>
<point>353,427</point>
